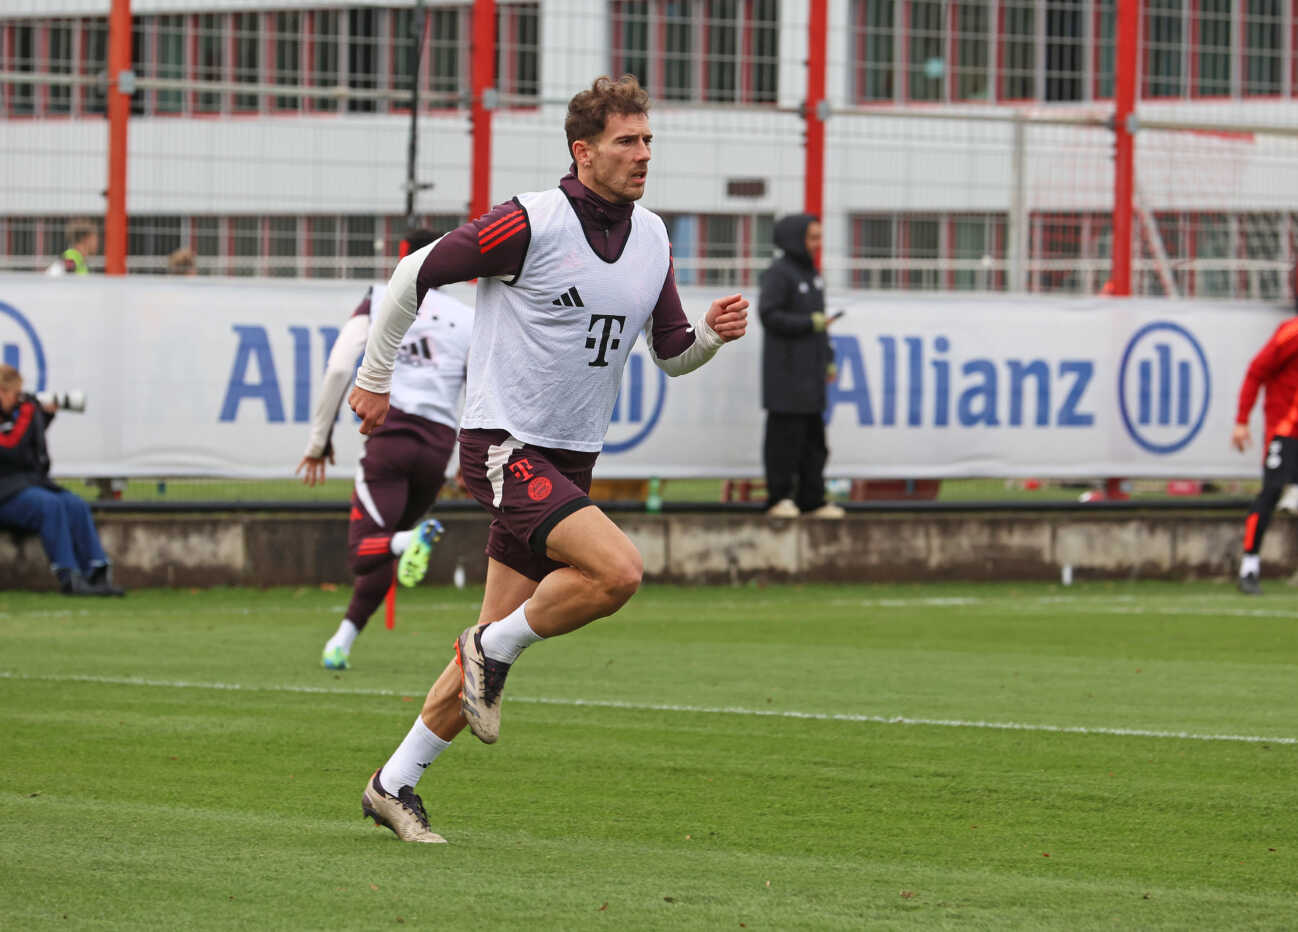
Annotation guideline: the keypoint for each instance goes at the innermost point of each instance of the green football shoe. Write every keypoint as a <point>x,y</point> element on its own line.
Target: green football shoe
<point>335,658</point>
<point>413,565</point>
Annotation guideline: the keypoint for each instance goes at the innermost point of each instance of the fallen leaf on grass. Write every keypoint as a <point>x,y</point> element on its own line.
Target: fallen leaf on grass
<point>908,894</point>
<point>1045,854</point>
<point>333,587</point>
<point>668,899</point>
<point>604,907</point>
<point>373,886</point>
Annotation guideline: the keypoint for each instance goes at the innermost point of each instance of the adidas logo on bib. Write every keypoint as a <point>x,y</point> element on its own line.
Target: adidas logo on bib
<point>569,298</point>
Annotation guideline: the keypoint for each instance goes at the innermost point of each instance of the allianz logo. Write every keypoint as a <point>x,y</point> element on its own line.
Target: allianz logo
<point>913,381</point>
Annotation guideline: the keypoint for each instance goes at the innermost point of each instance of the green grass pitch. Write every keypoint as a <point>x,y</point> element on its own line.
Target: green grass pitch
<point>795,757</point>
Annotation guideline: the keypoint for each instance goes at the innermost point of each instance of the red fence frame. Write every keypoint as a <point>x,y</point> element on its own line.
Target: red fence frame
<point>815,112</point>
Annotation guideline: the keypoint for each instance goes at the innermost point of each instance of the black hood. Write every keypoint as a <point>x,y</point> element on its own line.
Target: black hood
<point>790,237</point>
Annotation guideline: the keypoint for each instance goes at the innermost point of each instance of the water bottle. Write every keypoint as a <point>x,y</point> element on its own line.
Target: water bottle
<point>458,577</point>
<point>653,502</point>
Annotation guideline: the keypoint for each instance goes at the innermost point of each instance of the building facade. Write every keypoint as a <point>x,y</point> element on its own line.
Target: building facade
<point>966,146</point>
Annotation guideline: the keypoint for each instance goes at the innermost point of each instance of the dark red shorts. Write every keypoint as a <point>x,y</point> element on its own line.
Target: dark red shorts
<point>527,490</point>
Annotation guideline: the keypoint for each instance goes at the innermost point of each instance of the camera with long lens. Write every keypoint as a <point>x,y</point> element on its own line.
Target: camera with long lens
<point>64,401</point>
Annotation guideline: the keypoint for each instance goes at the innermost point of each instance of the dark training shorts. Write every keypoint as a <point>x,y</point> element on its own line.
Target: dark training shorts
<point>527,490</point>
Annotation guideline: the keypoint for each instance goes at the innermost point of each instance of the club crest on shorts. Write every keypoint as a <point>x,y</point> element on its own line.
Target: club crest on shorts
<point>539,488</point>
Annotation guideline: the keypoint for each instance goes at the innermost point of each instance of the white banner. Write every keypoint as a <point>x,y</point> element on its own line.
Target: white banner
<point>217,377</point>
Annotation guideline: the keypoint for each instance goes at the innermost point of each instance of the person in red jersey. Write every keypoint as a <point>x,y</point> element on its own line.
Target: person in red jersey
<point>1275,367</point>
<point>568,278</point>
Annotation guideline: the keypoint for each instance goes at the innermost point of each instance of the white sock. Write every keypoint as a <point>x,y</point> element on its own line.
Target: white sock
<point>344,637</point>
<point>400,541</point>
<point>1251,565</point>
<point>408,763</point>
<point>504,640</point>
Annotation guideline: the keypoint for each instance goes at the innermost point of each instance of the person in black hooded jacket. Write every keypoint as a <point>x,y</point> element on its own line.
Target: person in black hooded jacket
<point>797,362</point>
<point>31,501</point>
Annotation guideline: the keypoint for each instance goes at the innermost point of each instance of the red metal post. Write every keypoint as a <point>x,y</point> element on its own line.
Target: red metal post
<point>482,68</point>
<point>119,112</point>
<point>813,197</point>
<point>1126,76</point>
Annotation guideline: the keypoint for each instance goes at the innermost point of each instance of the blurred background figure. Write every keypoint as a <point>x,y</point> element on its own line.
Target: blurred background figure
<point>403,463</point>
<point>797,361</point>
<point>83,242</point>
<point>182,262</point>
<point>30,501</point>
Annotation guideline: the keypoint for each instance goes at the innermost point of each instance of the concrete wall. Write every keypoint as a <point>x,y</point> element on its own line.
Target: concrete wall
<point>716,547</point>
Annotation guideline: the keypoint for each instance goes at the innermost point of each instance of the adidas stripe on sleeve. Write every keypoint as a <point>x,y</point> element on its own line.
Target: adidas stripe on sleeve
<point>493,246</point>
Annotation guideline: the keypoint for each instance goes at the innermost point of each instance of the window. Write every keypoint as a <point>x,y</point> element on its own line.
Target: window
<point>141,57</point>
<point>1106,25</point>
<point>1263,48</point>
<point>245,236</point>
<point>970,67</point>
<point>246,39</point>
<point>287,66</point>
<point>1018,50</point>
<point>518,68</point>
<point>171,62</point>
<point>1212,241</point>
<point>324,63</point>
<point>921,239</point>
<point>1064,38</point>
<point>210,64</point>
<point>94,61</point>
<point>926,51</point>
<point>323,241</point>
<point>1164,49</point>
<point>21,56</point>
<point>875,39</point>
<point>977,241</point>
<point>725,51</point>
<point>448,59</point>
<point>153,236</point>
<point>912,250</point>
<point>872,239</point>
<point>1213,48</point>
<point>720,249</point>
<point>358,244</point>
<point>60,60</point>
<point>362,57</point>
<point>282,246</point>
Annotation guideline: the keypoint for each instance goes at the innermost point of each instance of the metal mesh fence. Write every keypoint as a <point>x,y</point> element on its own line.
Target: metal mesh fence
<point>968,145</point>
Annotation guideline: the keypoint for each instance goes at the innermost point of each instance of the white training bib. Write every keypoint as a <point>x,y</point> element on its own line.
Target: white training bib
<point>429,370</point>
<point>549,348</point>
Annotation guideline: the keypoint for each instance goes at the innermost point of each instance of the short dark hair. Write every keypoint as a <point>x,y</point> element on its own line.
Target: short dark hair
<point>588,111</point>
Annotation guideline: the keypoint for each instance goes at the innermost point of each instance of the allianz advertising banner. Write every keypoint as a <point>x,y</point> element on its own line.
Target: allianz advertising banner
<point>218,377</point>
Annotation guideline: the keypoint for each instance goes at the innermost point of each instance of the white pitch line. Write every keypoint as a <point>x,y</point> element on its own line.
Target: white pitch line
<point>689,709</point>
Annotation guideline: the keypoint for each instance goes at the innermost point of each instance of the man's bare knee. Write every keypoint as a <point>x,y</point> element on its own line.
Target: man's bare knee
<point>620,577</point>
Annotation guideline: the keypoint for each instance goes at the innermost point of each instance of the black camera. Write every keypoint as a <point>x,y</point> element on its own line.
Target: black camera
<point>64,401</point>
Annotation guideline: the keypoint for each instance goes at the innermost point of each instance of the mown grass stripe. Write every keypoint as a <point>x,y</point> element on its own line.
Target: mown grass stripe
<point>686,709</point>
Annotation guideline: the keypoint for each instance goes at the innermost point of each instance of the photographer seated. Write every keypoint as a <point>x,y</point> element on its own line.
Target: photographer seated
<point>31,501</point>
